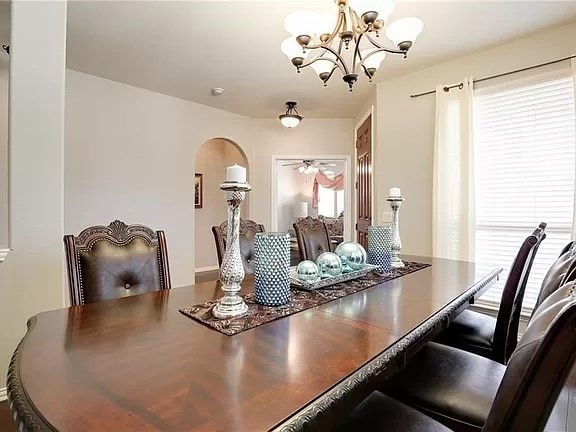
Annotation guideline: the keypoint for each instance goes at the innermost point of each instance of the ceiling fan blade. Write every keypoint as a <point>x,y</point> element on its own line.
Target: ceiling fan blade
<point>326,164</point>
<point>292,164</point>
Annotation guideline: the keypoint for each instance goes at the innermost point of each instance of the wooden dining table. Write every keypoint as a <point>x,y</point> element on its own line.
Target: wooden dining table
<point>138,364</point>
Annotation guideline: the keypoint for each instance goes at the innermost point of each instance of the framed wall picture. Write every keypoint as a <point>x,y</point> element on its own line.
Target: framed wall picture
<point>198,191</point>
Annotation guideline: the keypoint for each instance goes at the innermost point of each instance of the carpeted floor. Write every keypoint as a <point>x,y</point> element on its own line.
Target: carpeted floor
<point>6,424</point>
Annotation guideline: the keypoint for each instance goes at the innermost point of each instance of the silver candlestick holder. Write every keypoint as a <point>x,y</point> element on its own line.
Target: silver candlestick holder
<point>395,203</point>
<point>232,271</point>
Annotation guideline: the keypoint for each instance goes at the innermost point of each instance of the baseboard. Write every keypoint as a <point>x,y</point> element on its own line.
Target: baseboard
<point>206,269</point>
<point>3,394</point>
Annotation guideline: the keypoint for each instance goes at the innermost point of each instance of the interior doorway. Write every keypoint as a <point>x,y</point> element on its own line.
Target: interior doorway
<point>315,186</point>
<point>212,158</point>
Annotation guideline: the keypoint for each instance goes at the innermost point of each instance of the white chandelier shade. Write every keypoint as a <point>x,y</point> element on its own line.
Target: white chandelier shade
<point>302,22</point>
<point>293,49</point>
<point>372,59</point>
<point>404,30</point>
<point>321,65</point>
<point>324,41</point>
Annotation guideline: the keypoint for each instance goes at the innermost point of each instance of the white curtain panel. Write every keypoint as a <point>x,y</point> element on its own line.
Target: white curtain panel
<point>453,184</point>
<point>573,70</point>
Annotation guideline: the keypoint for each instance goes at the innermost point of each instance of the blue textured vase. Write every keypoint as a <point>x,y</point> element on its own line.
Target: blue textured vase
<point>272,269</point>
<point>380,247</point>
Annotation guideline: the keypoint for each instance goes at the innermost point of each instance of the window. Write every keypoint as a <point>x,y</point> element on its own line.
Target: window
<point>330,202</point>
<point>525,152</point>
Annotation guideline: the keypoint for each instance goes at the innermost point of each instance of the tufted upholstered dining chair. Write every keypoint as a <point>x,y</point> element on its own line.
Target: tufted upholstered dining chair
<point>248,230</point>
<point>445,389</point>
<point>496,338</point>
<point>118,260</point>
<point>313,238</point>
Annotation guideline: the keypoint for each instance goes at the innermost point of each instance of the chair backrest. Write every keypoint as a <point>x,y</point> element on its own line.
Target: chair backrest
<point>567,248</point>
<point>335,226</point>
<point>313,238</point>
<point>118,260</point>
<point>538,369</point>
<point>557,274</point>
<point>248,230</point>
<point>508,320</point>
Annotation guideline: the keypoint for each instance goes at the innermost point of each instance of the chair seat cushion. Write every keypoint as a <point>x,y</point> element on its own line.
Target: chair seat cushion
<point>472,332</point>
<point>379,412</point>
<point>453,386</point>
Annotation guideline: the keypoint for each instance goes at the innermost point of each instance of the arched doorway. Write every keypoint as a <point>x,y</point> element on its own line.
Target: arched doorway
<point>212,158</point>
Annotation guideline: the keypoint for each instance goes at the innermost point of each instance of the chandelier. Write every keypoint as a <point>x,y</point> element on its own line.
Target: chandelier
<point>291,118</point>
<point>355,28</point>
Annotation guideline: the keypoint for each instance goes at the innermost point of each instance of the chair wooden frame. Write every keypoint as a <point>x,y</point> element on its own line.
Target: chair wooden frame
<point>119,234</point>
<point>508,320</point>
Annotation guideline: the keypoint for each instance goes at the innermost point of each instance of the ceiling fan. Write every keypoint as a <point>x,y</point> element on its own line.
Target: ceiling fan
<point>309,166</point>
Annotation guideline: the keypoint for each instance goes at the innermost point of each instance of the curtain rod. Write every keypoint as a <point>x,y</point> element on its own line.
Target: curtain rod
<point>446,88</point>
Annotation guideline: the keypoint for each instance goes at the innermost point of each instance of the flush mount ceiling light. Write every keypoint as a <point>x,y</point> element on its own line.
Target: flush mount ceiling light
<point>291,118</point>
<point>356,26</point>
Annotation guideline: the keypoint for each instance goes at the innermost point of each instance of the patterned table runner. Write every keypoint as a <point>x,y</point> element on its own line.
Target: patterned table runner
<point>300,301</point>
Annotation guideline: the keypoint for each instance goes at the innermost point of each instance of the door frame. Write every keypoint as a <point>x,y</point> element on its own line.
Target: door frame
<point>348,222</point>
<point>363,118</point>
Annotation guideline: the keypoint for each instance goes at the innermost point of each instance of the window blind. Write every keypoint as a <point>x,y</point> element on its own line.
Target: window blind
<point>525,153</point>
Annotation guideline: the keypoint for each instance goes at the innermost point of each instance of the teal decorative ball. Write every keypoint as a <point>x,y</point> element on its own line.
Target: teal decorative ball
<point>307,271</point>
<point>352,255</point>
<point>329,265</point>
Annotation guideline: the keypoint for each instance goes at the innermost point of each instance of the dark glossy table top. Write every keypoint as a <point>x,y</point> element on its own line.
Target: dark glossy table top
<point>138,364</point>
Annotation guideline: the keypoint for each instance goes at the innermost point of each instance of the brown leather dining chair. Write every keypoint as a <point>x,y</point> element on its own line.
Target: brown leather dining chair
<point>562,271</point>
<point>248,230</point>
<point>444,389</point>
<point>496,338</point>
<point>313,238</point>
<point>118,260</point>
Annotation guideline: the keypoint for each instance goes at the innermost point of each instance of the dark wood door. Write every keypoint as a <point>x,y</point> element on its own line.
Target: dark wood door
<point>364,181</point>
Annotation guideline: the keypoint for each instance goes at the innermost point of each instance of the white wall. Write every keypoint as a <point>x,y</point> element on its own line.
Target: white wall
<point>323,137</point>
<point>32,276</point>
<point>405,137</point>
<point>130,155</point>
<point>212,159</point>
<point>4,73</point>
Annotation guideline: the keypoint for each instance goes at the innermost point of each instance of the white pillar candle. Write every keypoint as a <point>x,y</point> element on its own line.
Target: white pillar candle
<point>236,173</point>
<point>395,192</point>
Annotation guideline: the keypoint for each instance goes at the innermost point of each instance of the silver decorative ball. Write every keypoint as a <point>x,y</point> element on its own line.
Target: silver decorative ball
<point>307,271</point>
<point>363,252</point>
<point>353,254</point>
<point>329,265</point>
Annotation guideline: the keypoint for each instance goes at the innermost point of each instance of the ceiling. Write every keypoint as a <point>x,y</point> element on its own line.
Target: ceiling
<point>184,48</point>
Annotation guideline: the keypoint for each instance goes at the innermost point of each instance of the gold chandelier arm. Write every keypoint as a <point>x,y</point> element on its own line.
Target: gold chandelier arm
<point>335,32</point>
<point>357,54</point>
<point>358,26</point>
<point>383,48</point>
<point>335,62</point>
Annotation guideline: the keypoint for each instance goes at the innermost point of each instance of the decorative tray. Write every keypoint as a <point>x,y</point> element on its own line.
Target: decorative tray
<point>326,282</point>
